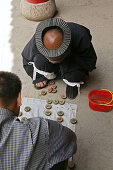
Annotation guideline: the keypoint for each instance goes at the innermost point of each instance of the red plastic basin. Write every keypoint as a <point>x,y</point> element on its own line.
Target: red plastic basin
<point>37,1</point>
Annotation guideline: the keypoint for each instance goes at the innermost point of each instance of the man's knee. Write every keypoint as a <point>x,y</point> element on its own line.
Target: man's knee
<point>40,63</point>
<point>76,76</point>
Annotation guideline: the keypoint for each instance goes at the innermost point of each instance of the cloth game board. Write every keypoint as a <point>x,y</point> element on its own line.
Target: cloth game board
<point>38,110</point>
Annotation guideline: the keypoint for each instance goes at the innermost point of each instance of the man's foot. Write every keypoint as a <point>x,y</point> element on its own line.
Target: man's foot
<point>71,92</point>
<point>41,85</point>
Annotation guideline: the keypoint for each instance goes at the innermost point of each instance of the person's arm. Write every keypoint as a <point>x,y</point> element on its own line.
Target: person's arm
<point>62,143</point>
<point>29,52</point>
<point>29,70</point>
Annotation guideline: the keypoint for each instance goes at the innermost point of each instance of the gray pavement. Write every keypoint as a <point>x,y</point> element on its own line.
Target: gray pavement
<point>94,129</point>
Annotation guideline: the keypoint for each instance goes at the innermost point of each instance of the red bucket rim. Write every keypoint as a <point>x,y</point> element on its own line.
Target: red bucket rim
<point>107,91</point>
<point>36,1</point>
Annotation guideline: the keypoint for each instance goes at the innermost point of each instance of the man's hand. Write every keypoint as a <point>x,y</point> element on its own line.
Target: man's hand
<point>41,84</point>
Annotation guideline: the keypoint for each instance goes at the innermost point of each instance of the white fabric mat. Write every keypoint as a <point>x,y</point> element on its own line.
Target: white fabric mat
<point>38,107</point>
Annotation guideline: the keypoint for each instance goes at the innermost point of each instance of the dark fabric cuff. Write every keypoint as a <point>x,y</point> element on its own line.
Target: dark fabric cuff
<point>39,79</point>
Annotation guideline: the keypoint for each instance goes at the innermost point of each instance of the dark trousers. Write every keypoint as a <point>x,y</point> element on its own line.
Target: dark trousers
<point>60,166</point>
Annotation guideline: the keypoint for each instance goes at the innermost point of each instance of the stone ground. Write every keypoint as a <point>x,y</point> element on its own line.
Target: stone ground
<point>94,129</point>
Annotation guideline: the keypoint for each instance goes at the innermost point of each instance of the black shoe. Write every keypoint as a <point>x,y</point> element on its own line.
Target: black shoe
<point>71,92</point>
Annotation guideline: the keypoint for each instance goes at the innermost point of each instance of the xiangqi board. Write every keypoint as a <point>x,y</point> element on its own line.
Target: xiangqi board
<point>38,109</point>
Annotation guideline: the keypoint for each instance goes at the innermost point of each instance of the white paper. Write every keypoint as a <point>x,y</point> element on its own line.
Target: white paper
<point>38,108</point>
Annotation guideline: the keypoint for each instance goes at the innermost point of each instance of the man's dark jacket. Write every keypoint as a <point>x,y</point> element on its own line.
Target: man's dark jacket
<point>74,67</point>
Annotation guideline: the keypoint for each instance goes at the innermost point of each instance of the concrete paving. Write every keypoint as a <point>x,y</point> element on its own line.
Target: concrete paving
<point>94,129</point>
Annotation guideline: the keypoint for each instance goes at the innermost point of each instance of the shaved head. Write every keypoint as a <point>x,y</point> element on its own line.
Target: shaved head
<point>53,39</point>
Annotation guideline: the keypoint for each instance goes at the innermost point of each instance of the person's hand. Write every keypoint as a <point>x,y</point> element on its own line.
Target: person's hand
<point>41,84</point>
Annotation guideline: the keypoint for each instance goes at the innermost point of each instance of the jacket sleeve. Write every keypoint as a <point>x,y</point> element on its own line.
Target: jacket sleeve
<point>29,70</point>
<point>62,141</point>
<point>28,54</point>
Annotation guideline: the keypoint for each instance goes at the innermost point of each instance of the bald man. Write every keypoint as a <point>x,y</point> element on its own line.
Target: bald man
<point>53,39</point>
<point>59,49</point>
